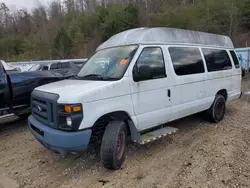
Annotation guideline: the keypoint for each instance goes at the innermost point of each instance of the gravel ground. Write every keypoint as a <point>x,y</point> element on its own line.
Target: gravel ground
<point>201,154</point>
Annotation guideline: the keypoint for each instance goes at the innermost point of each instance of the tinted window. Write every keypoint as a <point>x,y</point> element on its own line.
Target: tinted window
<point>217,60</point>
<point>186,60</point>
<point>153,57</point>
<point>45,68</point>
<point>65,65</point>
<point>235,59</point>
<point>59,65</point>
<point>54,66</point>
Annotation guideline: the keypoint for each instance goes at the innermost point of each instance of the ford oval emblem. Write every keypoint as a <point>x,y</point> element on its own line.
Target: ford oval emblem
<point>39,108</point>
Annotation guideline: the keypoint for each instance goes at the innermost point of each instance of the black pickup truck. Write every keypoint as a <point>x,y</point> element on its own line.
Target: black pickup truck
<point>16,87</point>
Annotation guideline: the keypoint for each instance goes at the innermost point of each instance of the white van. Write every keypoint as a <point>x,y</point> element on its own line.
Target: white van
<point>152,76</point>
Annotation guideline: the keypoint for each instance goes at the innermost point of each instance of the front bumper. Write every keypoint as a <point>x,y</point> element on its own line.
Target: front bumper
<point>57,140</point>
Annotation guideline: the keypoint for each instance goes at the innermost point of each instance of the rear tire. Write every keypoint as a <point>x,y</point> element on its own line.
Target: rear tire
<point>217,111</point>
<point>114,143</point>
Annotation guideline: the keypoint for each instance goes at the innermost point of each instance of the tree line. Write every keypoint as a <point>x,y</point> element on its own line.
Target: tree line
<point>74,28</point>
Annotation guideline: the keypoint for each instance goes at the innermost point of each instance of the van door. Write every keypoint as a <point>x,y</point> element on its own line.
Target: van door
<point>236,77</point>
<point>189,79</point>
<point>4,89</point>
<point>150,94</point>
<point>219,74</point>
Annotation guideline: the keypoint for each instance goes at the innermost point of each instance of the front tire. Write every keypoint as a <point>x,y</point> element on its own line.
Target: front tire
<point>217,111</point>
<point>114,143</point>
<point>243,73</point>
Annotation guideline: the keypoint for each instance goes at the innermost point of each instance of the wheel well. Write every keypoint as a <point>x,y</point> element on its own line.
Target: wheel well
<point>223,92</point>
<point>101,124</point>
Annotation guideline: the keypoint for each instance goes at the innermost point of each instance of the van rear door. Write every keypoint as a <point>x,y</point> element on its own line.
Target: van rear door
<point>220,73</point>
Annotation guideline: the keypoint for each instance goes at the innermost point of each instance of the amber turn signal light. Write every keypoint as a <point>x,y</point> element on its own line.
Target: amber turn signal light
<point>67,108</point>
<point>77,108</point>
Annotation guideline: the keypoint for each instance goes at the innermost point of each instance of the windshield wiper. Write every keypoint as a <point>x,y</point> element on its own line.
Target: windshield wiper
<point>74,77</point>
<point>94,76</point>
<point>97,76</point>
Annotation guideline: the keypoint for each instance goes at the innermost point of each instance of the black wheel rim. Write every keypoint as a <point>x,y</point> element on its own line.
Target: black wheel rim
<point>220,109</point>
<point>121,145</point>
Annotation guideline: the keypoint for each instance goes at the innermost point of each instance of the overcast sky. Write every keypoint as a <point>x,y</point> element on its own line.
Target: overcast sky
<point>28,4</point>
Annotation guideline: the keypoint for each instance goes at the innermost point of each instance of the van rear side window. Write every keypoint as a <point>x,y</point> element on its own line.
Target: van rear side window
<point>217,60</point>
<point>186,60</point>
<point>236,61</point>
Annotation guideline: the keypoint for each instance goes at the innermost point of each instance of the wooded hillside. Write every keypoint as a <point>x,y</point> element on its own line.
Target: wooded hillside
<point>74,28</point>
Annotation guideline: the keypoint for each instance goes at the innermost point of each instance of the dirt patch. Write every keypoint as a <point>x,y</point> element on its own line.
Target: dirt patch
<point>201,154</point>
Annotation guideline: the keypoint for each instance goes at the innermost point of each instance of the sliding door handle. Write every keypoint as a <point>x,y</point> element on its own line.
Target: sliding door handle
<point>169,93</point>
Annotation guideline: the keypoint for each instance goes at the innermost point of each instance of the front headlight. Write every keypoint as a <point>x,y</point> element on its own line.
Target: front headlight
<point>69,116</point>
<point>69,121</point>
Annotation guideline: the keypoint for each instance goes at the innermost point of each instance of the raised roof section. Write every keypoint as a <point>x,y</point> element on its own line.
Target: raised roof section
<point>166,36</point>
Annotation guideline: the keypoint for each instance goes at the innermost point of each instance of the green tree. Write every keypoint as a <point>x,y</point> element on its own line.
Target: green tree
<point>74,28</point>
<point>245,21</point>
<point>118,19</point>
<point>75,32</point>
<point>63,43</point>
<point>88,24</point>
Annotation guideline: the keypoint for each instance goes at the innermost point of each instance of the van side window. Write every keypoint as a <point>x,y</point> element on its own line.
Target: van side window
<point>153,57</point>
<point>236,60</point>
<point>186,60</point>
<point>217,60</point>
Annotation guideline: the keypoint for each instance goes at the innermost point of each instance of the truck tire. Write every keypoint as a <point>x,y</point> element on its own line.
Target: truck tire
<point>217,111</point>
<point>24,116</point>
<point>114,143</point>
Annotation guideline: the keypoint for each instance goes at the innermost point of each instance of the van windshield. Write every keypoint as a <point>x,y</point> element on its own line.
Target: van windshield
<point>108,64</point>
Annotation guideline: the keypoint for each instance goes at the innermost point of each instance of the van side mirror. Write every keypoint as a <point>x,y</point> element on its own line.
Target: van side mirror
<point>144,72</point>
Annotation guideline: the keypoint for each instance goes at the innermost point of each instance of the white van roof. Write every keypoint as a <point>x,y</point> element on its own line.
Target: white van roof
<point>166,36</point>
